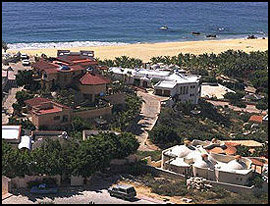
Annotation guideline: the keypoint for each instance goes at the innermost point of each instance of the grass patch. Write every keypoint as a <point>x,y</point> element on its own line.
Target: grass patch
<point>155,155</point>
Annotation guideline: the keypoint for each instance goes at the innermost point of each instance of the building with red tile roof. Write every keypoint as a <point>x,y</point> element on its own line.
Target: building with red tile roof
<point>93,79</point>
<point>47,113</point>
<point>92,85</point>
<point>256,119</point>
<point>52,115</point>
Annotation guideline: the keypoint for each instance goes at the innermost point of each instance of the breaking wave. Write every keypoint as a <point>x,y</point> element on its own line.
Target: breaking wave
<point>62,44</point>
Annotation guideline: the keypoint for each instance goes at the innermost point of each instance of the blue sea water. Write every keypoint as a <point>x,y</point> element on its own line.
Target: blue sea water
<point>48,24</point>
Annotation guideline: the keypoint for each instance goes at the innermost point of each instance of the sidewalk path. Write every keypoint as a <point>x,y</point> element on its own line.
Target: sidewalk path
<point>148,117</point>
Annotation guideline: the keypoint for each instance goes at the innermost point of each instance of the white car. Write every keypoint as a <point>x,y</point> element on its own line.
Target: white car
<point>24,56</point>
<point>25,62</point>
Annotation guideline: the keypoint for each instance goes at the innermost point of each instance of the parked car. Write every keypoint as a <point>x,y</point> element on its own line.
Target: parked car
<point>25,62</point>
<point>123,191</point>
<point>44,189</point>
<point>24,56</point>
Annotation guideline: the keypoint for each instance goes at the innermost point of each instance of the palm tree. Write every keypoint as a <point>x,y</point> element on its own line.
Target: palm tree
<point>4,46</point>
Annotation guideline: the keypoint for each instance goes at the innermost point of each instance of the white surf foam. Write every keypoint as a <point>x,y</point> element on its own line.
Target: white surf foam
<point>18,46</point>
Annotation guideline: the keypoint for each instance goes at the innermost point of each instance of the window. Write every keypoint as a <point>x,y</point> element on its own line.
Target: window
<point>186,89</point>
<point>65,118</point>
<point>191,95</point>
<point>122,190</point>
<point>192,87</point>
<point>56,118</point>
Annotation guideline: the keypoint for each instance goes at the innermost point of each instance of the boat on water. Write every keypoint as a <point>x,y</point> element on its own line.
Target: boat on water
<point>195,33</point>
<point>163,28</point>
<point>211,36</point>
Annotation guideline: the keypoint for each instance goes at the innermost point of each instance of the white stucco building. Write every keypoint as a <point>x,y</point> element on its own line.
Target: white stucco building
<point>173,83</point>
<point>192,159</point>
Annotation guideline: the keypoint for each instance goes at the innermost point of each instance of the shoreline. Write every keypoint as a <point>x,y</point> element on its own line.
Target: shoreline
<point>147,50</point>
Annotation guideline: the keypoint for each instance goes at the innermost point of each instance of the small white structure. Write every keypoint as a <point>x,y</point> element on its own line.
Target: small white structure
<point>218,91</point>
<point>11,133</point>
<point>192,159</point>
<point>26,142</point>
<point>170,83</point>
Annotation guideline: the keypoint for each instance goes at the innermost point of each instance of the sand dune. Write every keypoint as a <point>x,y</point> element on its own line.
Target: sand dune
<point>147,50</point>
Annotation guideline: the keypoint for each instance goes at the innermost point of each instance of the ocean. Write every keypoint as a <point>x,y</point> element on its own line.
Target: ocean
<point>49,24</point>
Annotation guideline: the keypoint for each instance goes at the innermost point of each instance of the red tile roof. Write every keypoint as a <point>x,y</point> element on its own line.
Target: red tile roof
<point>77,59</point>
<point>48,111</point>
<point>36,101</point>
<point>93,79</point>
<point>44,65</point>
<point>256,118</point>
<point>257,162</point>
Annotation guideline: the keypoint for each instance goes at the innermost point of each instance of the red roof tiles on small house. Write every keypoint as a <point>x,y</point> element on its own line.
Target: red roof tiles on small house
<point>44,65</point>
<point>36,101</point>
<point>93,79</point>
<point>256,118</point>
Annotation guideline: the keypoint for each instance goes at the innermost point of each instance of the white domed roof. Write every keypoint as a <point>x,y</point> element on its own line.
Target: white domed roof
<point>201,164</point>
<point>236,165</point>
<point>184,151</point>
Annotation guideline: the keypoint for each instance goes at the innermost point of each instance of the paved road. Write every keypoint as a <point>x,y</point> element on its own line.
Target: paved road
<point>75,196</point>
<point>148,117</point>
<point>8,104</point>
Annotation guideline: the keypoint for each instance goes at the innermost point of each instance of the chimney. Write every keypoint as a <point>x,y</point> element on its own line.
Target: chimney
<point>204,157</point>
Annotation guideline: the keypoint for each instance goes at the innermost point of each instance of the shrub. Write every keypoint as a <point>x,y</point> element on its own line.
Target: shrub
<point>163,187</point>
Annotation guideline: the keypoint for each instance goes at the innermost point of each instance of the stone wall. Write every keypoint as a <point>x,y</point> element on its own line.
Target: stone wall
<point>93,113</point>
<point>233,187</point>
<point>21,182</point>
<point>118,98</point>
<point>5,185</point>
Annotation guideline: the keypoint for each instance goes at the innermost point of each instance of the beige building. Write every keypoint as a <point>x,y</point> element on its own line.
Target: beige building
<point>93,85</point>
<point>52,115</point>
<point>62,70</point>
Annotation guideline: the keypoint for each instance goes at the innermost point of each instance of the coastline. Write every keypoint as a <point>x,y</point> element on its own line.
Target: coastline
<point>145,51</point>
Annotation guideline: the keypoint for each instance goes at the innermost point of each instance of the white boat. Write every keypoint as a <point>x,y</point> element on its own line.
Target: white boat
<point>163,28</point>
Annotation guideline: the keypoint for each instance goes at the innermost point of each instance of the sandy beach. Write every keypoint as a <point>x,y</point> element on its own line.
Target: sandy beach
<point>145,51</point>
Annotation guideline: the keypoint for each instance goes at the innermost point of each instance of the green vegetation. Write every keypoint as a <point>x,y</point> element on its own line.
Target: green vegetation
<point>251,66</point>
<point>26,124</point>
<point>170,187</point>
<point>123,115</point>
<point>164,136</point>
<point>123,61</point>
<point>25,78</point>
<point>236,98</point>
<point>211,122</point>
<point>262,105</point>
<point>155,155</point>
<point>71,156</point>
<point>175,124</point>
<point>4,46</point>
<point>79,124</point>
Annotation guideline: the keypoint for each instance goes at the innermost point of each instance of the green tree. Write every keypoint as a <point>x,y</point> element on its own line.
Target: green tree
<point>164,136</point>
<point>261,106</point>
<point>4,46</point>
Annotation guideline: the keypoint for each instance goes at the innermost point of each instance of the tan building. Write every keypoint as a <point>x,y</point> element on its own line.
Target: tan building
<point>51,115</point>
<point>62,70</point>
<point>92,85</point>
<point>46,113</point>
